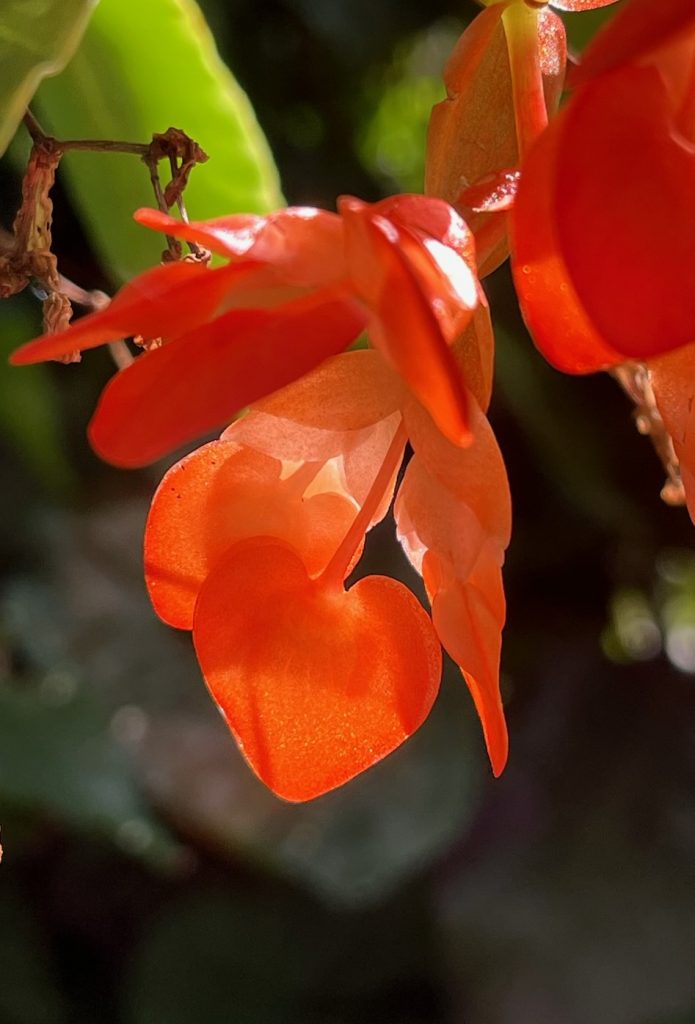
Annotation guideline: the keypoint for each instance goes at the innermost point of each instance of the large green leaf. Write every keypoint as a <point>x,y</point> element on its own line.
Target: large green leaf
<point>37,38</point>
<point>142,68</point>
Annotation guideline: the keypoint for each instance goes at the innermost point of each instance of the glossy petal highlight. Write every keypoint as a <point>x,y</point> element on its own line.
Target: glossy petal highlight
<point>404,328</point>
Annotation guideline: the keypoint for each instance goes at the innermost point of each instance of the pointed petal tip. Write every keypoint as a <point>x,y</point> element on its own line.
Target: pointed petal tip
<point>498,762</point>
<point>497,743</point>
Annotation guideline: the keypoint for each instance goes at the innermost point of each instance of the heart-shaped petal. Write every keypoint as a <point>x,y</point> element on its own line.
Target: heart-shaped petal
<point>315,683</point>
<point>221,494</point>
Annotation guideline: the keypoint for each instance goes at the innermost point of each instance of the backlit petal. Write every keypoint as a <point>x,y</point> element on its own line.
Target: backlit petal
<point>472,133</point>
<point>192,385</point>
<point>344,413</point>
<point>403,326</point>
<point>551,307</point>
<point>625,205</point>
<point>165,301</point>
<point>302,243</point>
<point>221,494</point>
<point>315,684</point>
<point>454,515</point>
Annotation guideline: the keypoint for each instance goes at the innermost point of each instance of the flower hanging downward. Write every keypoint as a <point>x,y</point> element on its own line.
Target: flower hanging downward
<point>300,285</point>
<point>250,540</point>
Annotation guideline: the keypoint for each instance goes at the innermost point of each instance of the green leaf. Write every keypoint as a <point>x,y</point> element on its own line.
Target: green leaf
<point>142,68</point>
<point>37,38</point>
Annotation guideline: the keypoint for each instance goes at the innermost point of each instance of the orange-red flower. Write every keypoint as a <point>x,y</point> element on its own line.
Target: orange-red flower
<point>603,247</point>
<point>299,285</point>
<point>503,81</point>
<point>250,540</point>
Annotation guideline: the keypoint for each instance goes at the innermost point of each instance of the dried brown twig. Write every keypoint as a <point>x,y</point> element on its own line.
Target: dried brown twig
<point>635,381</point>
<point>26,253</point>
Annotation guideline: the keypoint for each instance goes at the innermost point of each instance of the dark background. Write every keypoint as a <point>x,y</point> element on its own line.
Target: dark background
<point>148,878</point>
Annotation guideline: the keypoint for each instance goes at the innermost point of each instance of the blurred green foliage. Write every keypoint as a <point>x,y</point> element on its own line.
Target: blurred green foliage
<point>142,68</point>
<point>37,38</point>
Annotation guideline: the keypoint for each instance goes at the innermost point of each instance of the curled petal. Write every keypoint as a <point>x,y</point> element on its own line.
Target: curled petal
<point>404,327</point>
<point>430,218</point>
<point>166,301</point>
<point>221,494</point>
<point>316,684</point>
<point>624,206</point>
<point>551,307</point>
<point>302,243</point>
<point>196,382</point>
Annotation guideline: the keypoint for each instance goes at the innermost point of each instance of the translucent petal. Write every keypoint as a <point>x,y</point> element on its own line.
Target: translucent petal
<point>404,327</point>
<point>221,494</point>
<point>453,514</point>
<point>551,307</point>
<point>345,413</point>
<point>302,243</point>
<point>624,207</point>
<point>472,133</point>
<point>474,475</point>
<point>192,385</point>
<point>166,301</point>
<point>315,684</point>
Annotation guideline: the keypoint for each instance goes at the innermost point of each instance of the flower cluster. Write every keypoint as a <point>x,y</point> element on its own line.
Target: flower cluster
<point>340,340</point>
